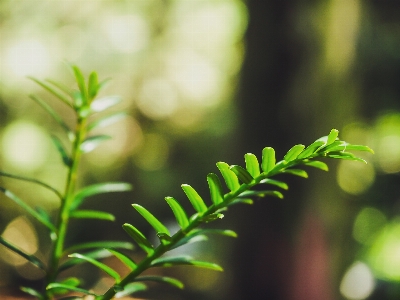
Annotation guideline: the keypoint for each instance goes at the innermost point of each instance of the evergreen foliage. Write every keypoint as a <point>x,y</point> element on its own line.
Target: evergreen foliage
<point>240,184</point>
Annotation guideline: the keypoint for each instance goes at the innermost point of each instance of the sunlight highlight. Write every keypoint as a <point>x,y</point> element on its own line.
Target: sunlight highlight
<point>21,233</point>
<point>128,33</point>
<point>27,57</point>
<point>384,254</point>
<point>358,283</point>
<point>25,147</point>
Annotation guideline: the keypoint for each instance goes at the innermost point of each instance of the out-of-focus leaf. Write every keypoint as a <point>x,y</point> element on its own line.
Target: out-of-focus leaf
<point>31,258</point>
<point>96,254</point>
<point>43,213</point>
<point>296,172</point>
<point>104,103</point>
<point>247,194</point>
<point>92,85</point>
<point>100,244</point>
<point>32,292</point>
<point>195,199</point>
<point>183,260</point>
<point>98,264</point>
<point>332,136</point>
<point>268,159</point>
<point>190,240</point>
<point>54,114</point>
<point>178,211</point>
<point>93,142</point>
<point>317,164</point>
<point>242,173</point>
<point>80,80</point>
<point>92,214</point>
<point>61,87</point>
<point>139,238</point>
<point>231,180</point>
<point>123,258</point>
<point>65,157</point>
<point>108,120</point>
<point>359,148</point>
<point>99,188</point>
<point>343,146</point>
<point>151,219</point>
<point>347,156</point>
<point>70,281</point>
<point>247,201</point>
<point>225,232</point>
<point>293,153</point>
<point>33,180</point>
<point>215,187</point>
<point>131,288</point>
<point>277,183</point>
<point>163,279</point>
<point>27,208</point>
<point>252,165</point>
<point>55,285</point>
<point>52,90</point>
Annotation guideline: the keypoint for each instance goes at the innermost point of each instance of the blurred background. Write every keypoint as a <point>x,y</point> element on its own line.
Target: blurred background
<point>206,81</point>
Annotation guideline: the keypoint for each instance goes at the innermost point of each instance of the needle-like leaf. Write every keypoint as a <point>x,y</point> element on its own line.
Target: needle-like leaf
<point>100,244</point>
<point>242,173</point>
<point>104,103</point>
<point>54,114</point>
<point>195,199</point>
<point>252,165</point>
<point>108,120</point>
<point>95,254</point>
<point>184,260</point>
<point>268,159</point>
<point>99,188</point>
<point>52,90</point>
<point>230,177</point>
<point>317,164</point>
<point>296,172</point>
<point>60,147</point>
<point>93,142</point>
<point>131,288</point>
<point>153,221</point>
<point>27,208</point>
<point>71,288</point>
<point>92,85</point>
<point>332,136</point>
<point>179,212</point>
<point>92,214</point>
<point>81,83</point>
<point>163,279</point>
<point>33,180</point>
<point>98,264</point>
<point>277,183</point>
<point>293,153</point>
<point>123,258</point>
<point>32,292</point>
<point>215,187</point>
<point>139,238</point>
<point>31,258</point>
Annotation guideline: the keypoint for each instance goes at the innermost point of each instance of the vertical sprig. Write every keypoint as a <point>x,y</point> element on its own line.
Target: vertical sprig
<point>83,103</point>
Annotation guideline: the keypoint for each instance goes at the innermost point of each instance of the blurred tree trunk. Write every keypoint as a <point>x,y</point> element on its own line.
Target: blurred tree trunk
<point>295,87</point>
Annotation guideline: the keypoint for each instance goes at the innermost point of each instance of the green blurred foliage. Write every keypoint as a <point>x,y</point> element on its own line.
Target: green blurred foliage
<point>205,81</point>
